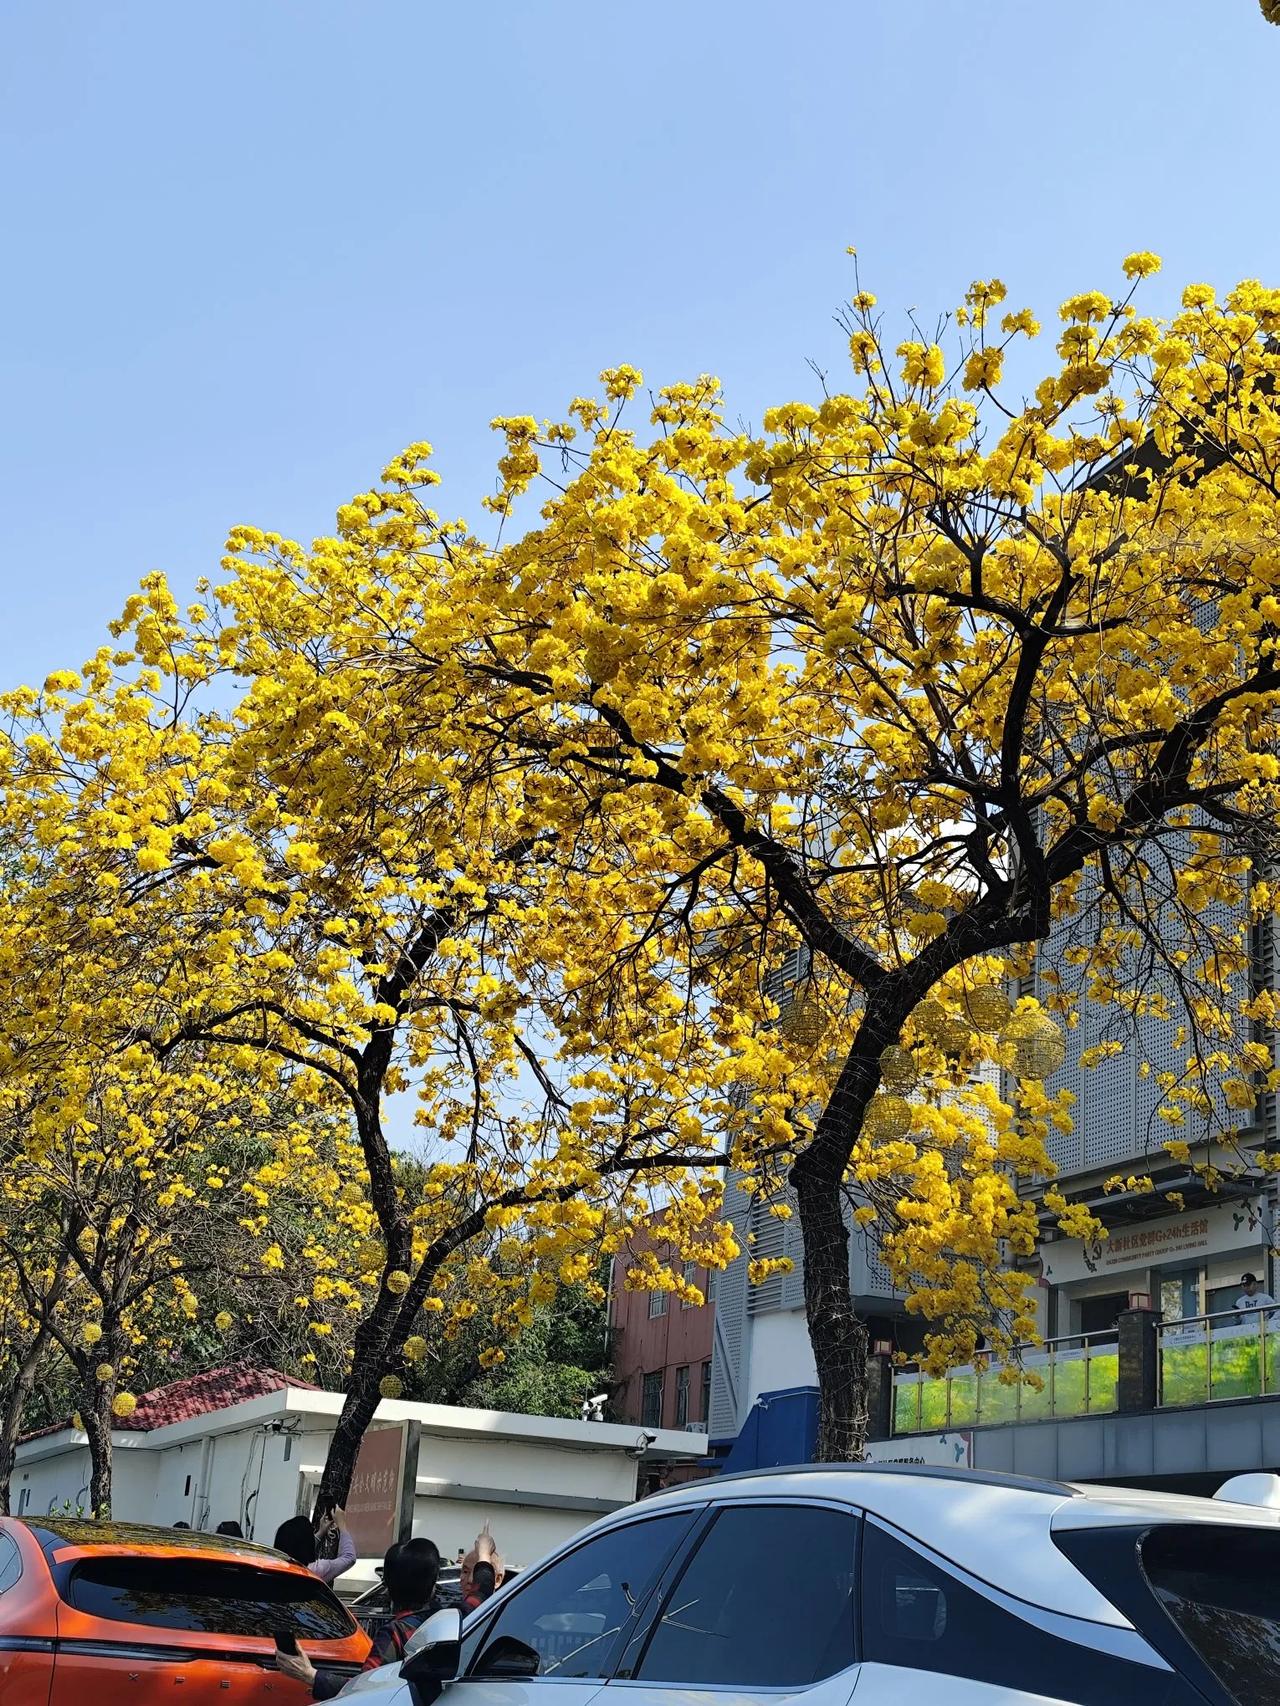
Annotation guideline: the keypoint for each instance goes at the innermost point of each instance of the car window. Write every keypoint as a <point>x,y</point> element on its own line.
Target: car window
<point>1222,1589</point>
<point>766,1600</point>
<point>916,1614</point>
<point>573,1613</point>
<point>10,1562</point>
<point>219,1598</point>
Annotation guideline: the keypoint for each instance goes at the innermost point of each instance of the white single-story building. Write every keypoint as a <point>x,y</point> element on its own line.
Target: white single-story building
<point>247,1445</point>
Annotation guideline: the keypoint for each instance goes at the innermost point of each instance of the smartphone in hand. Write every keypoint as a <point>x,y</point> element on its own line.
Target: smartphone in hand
<point>286,1643</point>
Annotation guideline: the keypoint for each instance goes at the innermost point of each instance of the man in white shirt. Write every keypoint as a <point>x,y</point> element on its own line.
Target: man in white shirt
<point>1253,1299</point>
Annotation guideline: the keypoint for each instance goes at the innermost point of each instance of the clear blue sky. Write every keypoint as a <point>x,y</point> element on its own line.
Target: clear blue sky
<point>253,247</point>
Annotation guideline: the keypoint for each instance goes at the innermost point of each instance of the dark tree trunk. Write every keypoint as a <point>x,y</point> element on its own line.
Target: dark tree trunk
<point>382,1333</point>
<point>15,1402</point>
<point>838,1336</point>
<point>95,1412</point>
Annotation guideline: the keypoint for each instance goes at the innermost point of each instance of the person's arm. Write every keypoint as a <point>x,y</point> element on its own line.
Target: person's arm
<point>329,1569</point>
<point>324,1684</point>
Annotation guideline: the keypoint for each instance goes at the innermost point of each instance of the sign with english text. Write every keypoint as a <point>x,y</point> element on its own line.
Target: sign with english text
<point>1213,1230</point>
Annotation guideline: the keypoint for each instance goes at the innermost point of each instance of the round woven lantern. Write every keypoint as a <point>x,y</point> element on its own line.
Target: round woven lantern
<point>1039,1047</point>
<point>988,1007</point>
<point>415,1348</point>
<point>898,1069</point>
<point>390,1386</point>
<point>954,1035</point>
<point>929,1019</point>
<point>887,1116</point>
<point>802,1021</point>
<point>124,1404</point>
<point>370,1256</point>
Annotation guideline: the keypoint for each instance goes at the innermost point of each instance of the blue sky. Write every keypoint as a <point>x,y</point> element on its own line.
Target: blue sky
<point>254,247</point>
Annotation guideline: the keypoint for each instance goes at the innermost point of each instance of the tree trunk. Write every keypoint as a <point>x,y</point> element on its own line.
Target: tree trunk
<point>838,1336</point>
<point>357,1412</point>
<point>15,1402</point>
<point>96,1415</point>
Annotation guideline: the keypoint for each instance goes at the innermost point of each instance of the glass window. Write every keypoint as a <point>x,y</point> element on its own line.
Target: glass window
<point>766,1601</point>
<point>918,1615</point>
<point>222,1599</point>
<point>657,1304</point>
<point>651,1401</point>
<point>10,1562</point>
<point>1219,1585</point>
<point>705,1415</point>
<point>682,1396</point>
<point>573,1613</point>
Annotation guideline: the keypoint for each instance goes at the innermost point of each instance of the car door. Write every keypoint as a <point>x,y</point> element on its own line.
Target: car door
<point>573,1616</point>
<point>764,1604</point>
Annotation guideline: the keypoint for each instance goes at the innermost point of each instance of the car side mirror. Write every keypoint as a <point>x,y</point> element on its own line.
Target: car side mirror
<point>508,1660</point>
<point>435,1652</point>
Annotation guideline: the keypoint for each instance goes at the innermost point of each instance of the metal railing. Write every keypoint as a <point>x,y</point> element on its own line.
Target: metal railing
<point>1234,1354</point>
<point>1079,1375</point>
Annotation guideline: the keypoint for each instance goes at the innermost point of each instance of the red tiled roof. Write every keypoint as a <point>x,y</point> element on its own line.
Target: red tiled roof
<point>197,1395</point>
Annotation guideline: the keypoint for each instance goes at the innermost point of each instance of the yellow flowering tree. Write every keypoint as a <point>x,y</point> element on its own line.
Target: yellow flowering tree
<point>919,671</point>
<point>233,827</point>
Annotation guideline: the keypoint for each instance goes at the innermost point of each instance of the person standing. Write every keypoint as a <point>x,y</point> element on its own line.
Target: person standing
<point>410,1573</point>
<point>298,1538</point>
<point>482,1571</point>
<point>1253,1298</point>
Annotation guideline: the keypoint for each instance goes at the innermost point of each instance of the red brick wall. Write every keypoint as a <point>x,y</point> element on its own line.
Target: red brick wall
<point>680,1338</point>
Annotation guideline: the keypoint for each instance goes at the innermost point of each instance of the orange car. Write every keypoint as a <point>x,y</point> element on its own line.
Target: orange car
<point>103,1614</point>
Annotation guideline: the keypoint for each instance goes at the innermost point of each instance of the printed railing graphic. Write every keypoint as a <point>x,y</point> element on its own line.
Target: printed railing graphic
<point>1079,1376</point>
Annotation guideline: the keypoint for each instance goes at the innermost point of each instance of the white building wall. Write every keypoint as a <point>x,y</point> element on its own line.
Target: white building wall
<point>536,1489</point>
<point>779,1354</point>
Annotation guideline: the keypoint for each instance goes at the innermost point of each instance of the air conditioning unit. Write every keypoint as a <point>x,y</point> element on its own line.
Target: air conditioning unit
<point>695,1427</point>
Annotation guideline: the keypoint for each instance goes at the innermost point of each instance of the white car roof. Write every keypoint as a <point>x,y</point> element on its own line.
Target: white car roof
<point>998,1528</point>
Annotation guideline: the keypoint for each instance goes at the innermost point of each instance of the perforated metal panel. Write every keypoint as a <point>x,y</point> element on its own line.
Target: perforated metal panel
<point>769,1238</point>
<point>728,1349</point>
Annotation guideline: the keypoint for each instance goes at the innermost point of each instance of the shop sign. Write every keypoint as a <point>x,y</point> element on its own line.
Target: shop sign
<point>939,1451</point>
<point>1213,1230</point>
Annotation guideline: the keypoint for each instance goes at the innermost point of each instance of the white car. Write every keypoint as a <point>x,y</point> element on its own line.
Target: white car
<point>879,1586</point>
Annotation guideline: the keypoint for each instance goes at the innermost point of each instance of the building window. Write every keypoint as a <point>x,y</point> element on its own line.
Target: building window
<point>706,1393</point>
<point>682,1396</point>
<point>657,1304</point>
<point>690,1277</point>
<point>651,1401</point>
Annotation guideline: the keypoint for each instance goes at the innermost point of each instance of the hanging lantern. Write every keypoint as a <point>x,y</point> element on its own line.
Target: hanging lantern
<point>887,1116</point>
<point>124,1404</point>
<point>1039,1047</point>
<point>988,1007</point>
<point>370,1256</point>
<point>415,1348</point>
<point>802,1020</point>
<point>898,1069</point>
<point>103,1373</point>
<point>928,1019</point>
<point>390,1386</point>
<point>953,1035</point>
<point>397,1282</point>
<point>222,1320</point>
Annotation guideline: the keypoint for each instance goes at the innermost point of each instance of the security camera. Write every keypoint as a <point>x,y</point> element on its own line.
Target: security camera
<point>643,1442</point>
<point>593,1408</point>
